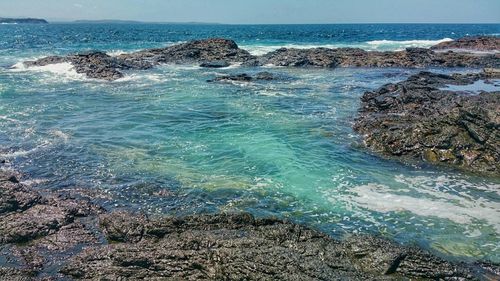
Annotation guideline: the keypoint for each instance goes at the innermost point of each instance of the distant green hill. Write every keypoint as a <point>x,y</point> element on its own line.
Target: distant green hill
<point>23,20</point>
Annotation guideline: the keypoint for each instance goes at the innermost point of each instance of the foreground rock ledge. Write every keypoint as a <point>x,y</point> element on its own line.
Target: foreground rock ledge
<point>217,52</point>
<point>58,236</point>
<point>422,119</point>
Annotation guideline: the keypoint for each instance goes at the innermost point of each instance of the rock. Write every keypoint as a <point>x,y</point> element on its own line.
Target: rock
<point>121,227</point>
<point>215,64</point>
<point>492,72</point>
<point>239,246</point>
<point>265,76</point>
<point>244,77</point>
<point>37,221</point>
<point>420,119</point>
<point>209,52</point>
<point>15,274</point>
<point>477,43</point>
<point>317,57</point>
<point>96,65</point>
<point>41,231</point>
<point>217,52</point>
<point>58,237</point>
<point>351,57</point>
<point>380,256</point>
<point>14,197</point>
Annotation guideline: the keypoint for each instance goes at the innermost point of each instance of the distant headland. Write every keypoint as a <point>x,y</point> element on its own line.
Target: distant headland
<point>22,20</point>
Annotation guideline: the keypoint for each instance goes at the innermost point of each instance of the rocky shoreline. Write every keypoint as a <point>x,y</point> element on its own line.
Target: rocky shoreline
<point>423,118</point>
<point>218,52</point>
<point>50,235</point>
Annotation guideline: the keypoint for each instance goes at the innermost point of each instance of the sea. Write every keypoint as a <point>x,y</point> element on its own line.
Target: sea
<point>166,142</point>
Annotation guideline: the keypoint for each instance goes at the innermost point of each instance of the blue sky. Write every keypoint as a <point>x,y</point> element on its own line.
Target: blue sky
<point>260,11</point>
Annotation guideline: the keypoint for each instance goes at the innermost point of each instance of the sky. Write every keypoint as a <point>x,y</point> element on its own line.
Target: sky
<point>260,11</point>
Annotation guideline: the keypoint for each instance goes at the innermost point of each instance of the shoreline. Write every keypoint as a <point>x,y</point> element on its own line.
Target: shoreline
<point>56,235</point>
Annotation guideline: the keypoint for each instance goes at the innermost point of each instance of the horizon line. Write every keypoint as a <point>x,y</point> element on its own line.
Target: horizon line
<point>117,21</point>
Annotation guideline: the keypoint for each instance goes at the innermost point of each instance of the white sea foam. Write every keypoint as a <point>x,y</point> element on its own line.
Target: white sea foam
<point>62,70</point>
<point>33,182</point>
<point>6,118</point>
<point>60,134</point>
<point>258,50</point>
<point>376,45</point>
<point>115,53</point>
<point>399,45</point>
<point>18,153</point>
<point>142,77</point>
<point>22,152</point>
<point>425,196</point>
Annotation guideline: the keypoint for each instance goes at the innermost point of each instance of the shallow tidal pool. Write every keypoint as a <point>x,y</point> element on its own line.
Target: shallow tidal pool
<point>165,141</point>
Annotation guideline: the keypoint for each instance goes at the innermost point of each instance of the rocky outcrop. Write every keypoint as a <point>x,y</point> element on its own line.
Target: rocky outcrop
<point>194,52</point>
<point>216,53</point>
<point>477,43</point>
<point>241,247</point>
<point>96,65</point>
<point>352,57</point>
<point>55,236</point>
<point>421,119</point>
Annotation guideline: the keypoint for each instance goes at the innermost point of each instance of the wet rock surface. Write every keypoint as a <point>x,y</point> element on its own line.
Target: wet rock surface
<point>72,239</point>
<point>241,247</point>
<point>352,57</point>
<point>478,43</point>
<point>244,77</point>
<point>217,53</point>
<point>422,119</point>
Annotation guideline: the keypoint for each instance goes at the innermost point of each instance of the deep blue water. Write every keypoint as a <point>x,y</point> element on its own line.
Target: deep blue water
<point>166,141</point>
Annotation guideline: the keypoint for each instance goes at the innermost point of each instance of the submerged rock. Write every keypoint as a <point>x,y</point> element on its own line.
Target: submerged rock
<point>422,119</point>
<point>244,77</point>
<point>215,64</point>
<point>477,43</point>
<point>46,237</point>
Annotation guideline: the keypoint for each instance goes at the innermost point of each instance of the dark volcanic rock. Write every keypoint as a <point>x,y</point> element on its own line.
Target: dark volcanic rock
<point>94,64</point>
<point>240,247</point>
<point>421,119</point>
<point>199,51</point>
<point>478,43</point>
<point>244,77</point>
<point>215,64</point>
<point>351,57</point>
<point>53,237</point>
<point>15,197</point>
<point>43,230</point>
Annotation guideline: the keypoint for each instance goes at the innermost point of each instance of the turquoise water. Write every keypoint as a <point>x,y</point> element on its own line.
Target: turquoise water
<point>166,141</point>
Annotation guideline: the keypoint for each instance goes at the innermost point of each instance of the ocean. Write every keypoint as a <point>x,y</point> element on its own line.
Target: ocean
<point>164,141</point>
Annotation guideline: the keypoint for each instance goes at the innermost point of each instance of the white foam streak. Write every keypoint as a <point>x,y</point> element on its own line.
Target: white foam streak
<point>425,197</point>
<point>65,70</point>
<point>407,43</point>
<point>376,45</point>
